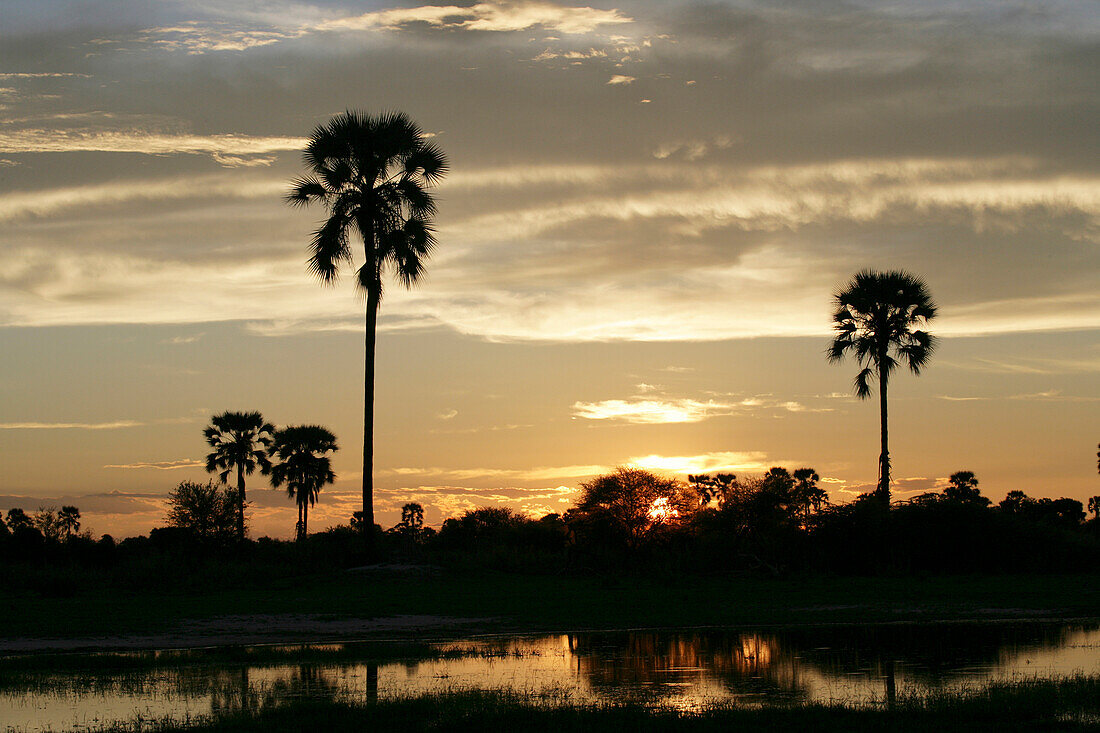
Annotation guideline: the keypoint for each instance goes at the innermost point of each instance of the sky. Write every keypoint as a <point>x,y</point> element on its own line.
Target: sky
<point>649,207</point>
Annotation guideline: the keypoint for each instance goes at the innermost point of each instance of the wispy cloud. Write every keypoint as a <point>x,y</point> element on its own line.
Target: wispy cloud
<point>112,425</point>
<point>491,16</point>
<point>160,465</point>
<point>726,461</point>
<point>49,201</point>
<point>495,16</point>
<point>642,411</point>
<point>41,75</point>
<point>184,339</point>
<point>540,473</point>
<point>621,79</point>
<point>227,146</point>
<point>645,410</point>
<point>1050,395</point>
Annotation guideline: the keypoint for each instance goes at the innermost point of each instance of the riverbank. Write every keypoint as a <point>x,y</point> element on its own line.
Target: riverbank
<point>431,603</point>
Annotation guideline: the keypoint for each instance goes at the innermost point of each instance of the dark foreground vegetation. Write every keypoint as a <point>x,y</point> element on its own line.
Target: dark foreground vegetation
<point>776,525</point>
<point>1068,704</point>
<point>637,550</point>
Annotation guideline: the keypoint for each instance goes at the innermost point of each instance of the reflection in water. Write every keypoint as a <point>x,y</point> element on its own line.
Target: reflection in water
<point>684,670</point>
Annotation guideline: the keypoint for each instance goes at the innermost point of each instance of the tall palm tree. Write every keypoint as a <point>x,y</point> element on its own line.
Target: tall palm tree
<point>372,175</point>
<point>880,318</point>
<point>240,440</point>
<point>303,466</point>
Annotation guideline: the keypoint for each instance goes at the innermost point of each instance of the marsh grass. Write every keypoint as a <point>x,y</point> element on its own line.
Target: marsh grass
<point>1070,703</point>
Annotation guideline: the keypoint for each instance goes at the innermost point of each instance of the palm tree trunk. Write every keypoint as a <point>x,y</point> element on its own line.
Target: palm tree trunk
<point>368,422</point>
<point>298,526</point>
<point>305,520</point>
<point>240,505</point>
<point>884,455</point>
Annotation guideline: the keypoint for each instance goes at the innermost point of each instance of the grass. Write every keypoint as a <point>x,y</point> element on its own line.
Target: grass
<point>547,603</point>
<point>1064,704</point>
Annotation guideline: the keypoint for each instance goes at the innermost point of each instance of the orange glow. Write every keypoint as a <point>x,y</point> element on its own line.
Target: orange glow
<point>661,511</point>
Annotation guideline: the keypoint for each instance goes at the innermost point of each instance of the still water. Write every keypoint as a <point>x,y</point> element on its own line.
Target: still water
<point>680,669</point>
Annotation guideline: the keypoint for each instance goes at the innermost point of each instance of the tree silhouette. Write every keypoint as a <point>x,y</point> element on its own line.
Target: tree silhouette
<point>1094,507</point>
<point>69,519</point>
<point>371,173</point>
<point>628,505</point>
<point>807,494</point>
<point>205,510</point>
<point>412,519</point>
<point>963,488</point>
<point>48,523</point>
<point>240,440</point>
<point>18,520</point>
<point>713,488</point>
<point>303,466</point>
<point>880,318</point>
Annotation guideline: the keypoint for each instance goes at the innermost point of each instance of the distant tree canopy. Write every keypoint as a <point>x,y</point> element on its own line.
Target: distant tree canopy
<point>628,506</point>
<point>1064,512</point>
<point>963,488</point>
<point>207,511</point>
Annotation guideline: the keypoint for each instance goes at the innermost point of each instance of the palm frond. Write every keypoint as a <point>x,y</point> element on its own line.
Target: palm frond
<point>330,249</point>
<point>304,191</point>
<point>863,383</point>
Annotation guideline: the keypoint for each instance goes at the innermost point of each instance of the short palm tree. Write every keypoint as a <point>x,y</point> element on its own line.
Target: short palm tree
<point>880,317</point>
<point>372,175</point>
<point>303,466</point>
<point>240,440</point>
<point>68,518</point>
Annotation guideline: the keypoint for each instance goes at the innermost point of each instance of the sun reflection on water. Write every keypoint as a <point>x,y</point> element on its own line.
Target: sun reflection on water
<point>675,670</point>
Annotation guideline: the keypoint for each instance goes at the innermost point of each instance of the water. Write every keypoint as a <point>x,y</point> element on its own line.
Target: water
<point>680,669</point>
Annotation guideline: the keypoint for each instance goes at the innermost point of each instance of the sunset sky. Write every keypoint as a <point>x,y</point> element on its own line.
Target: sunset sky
<point>649,206</point>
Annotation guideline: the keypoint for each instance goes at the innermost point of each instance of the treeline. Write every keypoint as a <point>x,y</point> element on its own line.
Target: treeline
<point>631,520</point>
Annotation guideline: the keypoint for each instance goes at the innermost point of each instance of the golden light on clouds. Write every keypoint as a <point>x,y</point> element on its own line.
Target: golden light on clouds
<point>633,185</point>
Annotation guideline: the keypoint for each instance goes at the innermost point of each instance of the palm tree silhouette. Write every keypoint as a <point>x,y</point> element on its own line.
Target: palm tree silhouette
<point>879,317</point>
<point>239,440</point>
<point>807,493</point>
<point>303,466</point>
<point>68,518</point>
<point>372,174</point>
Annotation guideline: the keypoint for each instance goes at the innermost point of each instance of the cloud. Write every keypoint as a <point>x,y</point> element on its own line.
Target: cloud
<point>176,340</point>
<point>540,473</point>
<point>41,75</point>
<point>725,461</point>
<point>112,425</point>
<point>493,16</point>
<point>161,465</point>
<point>50,201</point>
<point>481,282</point>
<point>226,146</point>
<point>448,415</point>
<point>655,410</point>
<point>486,17</point>
<point>195,37</point>
<point>621,79</point>
<point>643,411</point>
